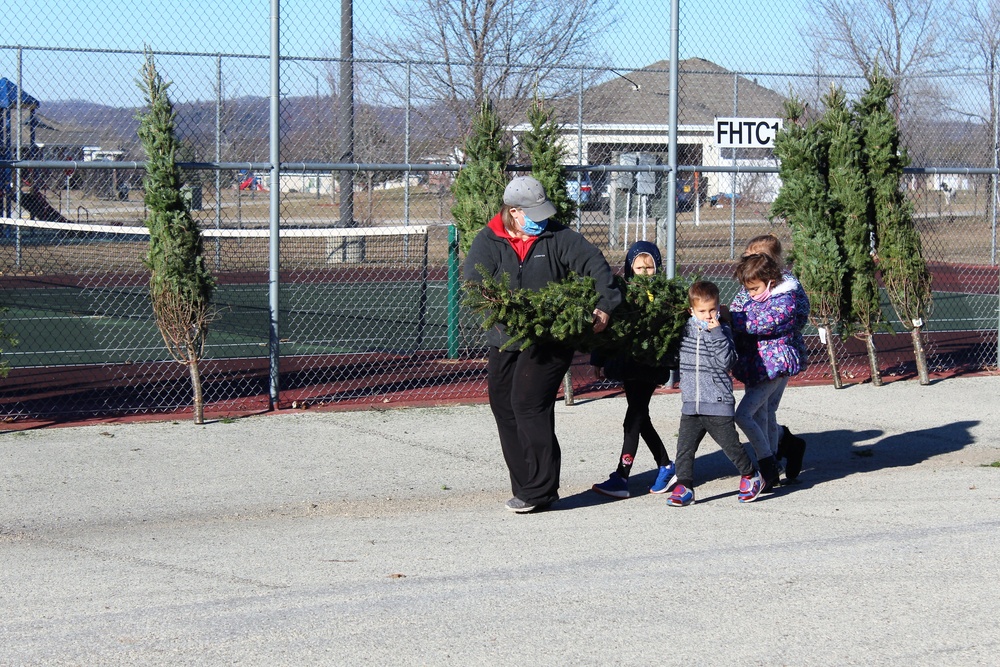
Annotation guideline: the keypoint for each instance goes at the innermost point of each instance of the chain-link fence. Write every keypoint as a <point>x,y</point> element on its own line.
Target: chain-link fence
<point>372,314</point>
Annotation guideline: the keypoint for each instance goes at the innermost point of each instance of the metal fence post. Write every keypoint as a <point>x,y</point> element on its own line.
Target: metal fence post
<point>275,199</point>
<point>579,155</point>
<point>218,158</point>
<point>422,301</point>
<point>995,102</point>
<point>346,111</point>
<point>671,256</point>
<point>993,208</point>
<point>453,310</point>
<point>17,186</point>
<point>732,193</point>
<point>406,175</point>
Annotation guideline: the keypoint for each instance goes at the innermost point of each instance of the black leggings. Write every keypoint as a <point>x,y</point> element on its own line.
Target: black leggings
<point>638,394</point>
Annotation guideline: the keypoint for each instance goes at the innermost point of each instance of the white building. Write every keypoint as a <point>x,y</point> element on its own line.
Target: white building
<point>629,114</point>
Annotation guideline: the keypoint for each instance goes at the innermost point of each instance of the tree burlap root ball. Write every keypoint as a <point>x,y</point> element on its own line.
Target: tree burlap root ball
<point>647,326</point>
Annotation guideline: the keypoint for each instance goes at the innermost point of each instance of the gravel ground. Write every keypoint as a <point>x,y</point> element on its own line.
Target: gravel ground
<point>379,537</point>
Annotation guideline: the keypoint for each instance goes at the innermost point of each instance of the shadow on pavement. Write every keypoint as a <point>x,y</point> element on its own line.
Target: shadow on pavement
<point>829,455</point>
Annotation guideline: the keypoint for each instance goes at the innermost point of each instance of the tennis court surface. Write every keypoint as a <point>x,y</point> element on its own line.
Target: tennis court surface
<point>368,317</point>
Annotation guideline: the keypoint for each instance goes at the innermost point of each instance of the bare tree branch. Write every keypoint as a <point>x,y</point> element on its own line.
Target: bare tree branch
<point>503,50</point>
<point>907,38</point>
<point>979,34</point>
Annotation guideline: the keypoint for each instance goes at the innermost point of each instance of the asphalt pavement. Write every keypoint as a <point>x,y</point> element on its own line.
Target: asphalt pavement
<point>379,537</point>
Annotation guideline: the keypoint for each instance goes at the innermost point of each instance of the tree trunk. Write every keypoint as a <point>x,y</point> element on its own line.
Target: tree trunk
<point>873,360</point>
<point>568,388</point>
<point>834,366</point>
<point>920,356</point>
<point>199,403</point>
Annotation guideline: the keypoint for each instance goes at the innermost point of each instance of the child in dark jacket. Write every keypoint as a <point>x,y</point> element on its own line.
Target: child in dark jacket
<point>639,382</point>
<point>767,324</point>
<point>707,354</point>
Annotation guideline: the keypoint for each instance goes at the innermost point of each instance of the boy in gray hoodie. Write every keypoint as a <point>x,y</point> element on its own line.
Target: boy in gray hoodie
<point>707,354</point>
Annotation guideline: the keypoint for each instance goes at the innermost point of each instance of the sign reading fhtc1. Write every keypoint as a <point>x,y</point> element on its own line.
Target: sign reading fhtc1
<point>746,132</point>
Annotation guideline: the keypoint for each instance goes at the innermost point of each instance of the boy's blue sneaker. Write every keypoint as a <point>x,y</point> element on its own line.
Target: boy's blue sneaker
<point>615,487</point>
<point>664,478</point>
<point>680,496</point>
<point>750,487</point>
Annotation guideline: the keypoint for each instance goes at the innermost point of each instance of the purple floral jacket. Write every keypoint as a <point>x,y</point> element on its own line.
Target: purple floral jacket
<point>769,341</point>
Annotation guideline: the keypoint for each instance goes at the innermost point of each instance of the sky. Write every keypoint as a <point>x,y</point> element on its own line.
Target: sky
<point>746,35</point>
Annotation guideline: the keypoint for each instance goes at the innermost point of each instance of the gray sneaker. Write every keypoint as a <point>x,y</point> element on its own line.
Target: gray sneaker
<point>518,506</point>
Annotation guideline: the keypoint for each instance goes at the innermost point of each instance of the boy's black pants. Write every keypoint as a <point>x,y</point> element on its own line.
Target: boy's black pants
<point>690,434</point>
<point>522,389</point>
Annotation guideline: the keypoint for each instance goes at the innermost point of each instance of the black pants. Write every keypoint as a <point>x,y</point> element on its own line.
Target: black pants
<point>523,387</point>
<point>637,422</point>
<point>692,431</point>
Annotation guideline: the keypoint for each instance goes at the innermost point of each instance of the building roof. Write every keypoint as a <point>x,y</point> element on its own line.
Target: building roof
<point>8,96</point>
<point>641,97</point>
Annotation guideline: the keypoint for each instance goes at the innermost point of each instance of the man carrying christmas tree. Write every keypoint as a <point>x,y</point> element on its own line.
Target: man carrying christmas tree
<point>520,244</point>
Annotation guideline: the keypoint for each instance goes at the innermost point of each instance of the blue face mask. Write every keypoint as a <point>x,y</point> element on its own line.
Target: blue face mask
<point>532,228</point>
<point>701,324</point>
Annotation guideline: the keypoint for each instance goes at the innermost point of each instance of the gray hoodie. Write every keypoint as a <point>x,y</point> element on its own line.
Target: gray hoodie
<point>705,359</point>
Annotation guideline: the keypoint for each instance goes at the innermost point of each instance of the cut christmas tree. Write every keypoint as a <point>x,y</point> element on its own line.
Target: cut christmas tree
<point>899,250</point>
<point>479,186</point>
<point>647,326</point>
<point>545,149</point>
<point>804,203</point>
<point>851,207</point>
<point>180,285</point>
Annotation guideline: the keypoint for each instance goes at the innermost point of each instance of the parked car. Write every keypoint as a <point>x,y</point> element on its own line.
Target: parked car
<point>724,199</point>
<point>580,191</point>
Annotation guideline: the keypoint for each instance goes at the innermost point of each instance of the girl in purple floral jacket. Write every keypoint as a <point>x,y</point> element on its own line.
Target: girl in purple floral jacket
<point>767,326</point>
<point>791,447</point>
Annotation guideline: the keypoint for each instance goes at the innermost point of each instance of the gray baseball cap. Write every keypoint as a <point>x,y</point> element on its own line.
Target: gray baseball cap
<point>527,194</point>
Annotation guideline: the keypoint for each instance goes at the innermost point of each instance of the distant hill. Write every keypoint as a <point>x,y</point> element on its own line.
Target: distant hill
<point>245,121</point>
